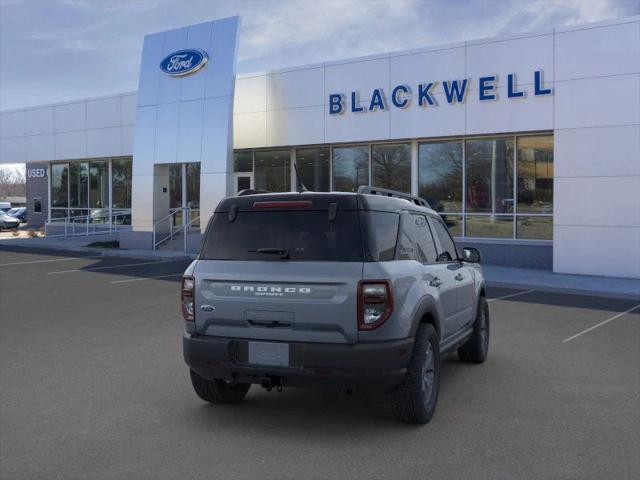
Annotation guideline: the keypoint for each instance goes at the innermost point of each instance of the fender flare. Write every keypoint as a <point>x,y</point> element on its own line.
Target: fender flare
<point>426,306</point>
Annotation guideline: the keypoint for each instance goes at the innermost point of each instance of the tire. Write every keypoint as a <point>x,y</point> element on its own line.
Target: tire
<point>475,349</point>
<point>415,399</point>
<point>218,391</point>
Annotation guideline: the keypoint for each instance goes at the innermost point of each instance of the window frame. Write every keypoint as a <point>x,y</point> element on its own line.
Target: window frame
<point>440,250</point>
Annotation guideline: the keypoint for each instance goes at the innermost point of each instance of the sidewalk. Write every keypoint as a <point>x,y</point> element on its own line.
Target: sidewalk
<point>545,280</point>
<point>79,244</point>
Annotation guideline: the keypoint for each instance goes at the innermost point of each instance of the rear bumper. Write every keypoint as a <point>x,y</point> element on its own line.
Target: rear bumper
<point>376,366</point>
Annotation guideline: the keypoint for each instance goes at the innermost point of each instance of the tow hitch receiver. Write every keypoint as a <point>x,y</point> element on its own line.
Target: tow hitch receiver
<point>269,383</point>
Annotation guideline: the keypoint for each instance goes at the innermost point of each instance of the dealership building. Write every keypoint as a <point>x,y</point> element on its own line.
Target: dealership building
<point>528,145</point>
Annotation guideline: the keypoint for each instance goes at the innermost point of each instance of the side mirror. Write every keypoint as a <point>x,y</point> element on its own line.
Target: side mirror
<point>471,255</point>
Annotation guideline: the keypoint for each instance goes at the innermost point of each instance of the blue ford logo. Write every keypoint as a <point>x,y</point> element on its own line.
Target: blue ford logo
<point>184,62</point>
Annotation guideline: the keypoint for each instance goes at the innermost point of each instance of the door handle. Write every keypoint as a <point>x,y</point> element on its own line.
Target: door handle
<point>459,277</point>
<point>435,282</point>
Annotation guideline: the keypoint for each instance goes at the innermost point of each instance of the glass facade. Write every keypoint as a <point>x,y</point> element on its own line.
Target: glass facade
<point>80,189</point>
<point>391,166</point>
<point>484,187</point>
<point>272,170</point>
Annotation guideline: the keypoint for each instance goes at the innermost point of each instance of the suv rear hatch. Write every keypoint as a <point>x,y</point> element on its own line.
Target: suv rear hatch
<point>281,267</point>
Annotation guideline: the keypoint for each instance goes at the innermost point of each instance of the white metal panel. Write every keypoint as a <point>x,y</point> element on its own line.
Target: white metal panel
<point>216,137</point>
<point>104,142</point>
<point>38,121</point>
<point>210,196</point>
<point>587,250</point>
<point>250,95</point>
<point>70,116</point>
<point>71,145</point>
<point>167,133</point>
<point>598,51</point>
<point>222,49</point>
<point>598,102</point>
<point>103,112</point>
<point>144,141</point>
<point>12,150</point>
<point>355,127</point>
<point>190,131</point>
<point>597,201</point>
<point>597,151</point>
<point>298,126</point>
<point>508,114</point>
<point>170,87</point>
<point>40,147</point>
<point>127,140</point>
<point>522,56</point>
<point>142,187</point>
<point>361,76</point>
<point>250,130</point>
<point>431,66</point>
<point>12,124</point>
<point>429,121</point>
<point>295,88</point>
<point>193,86</point>
<point>149,79</point>
<point>128,109</point>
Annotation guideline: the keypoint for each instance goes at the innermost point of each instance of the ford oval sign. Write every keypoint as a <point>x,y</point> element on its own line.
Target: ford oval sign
<point>184,62</point>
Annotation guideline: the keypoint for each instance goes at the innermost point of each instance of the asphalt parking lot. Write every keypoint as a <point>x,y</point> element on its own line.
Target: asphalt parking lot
<point>93,385</point>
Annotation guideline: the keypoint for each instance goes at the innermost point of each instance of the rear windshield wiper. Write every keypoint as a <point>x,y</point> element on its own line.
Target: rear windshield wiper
<point>283,252</point>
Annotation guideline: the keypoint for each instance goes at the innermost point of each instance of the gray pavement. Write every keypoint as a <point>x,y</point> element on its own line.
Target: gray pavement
<point>93,385</point>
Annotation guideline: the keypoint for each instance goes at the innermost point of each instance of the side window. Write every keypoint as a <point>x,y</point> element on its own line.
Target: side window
<point>383,232</point>
<point>416,242</point>
<point>447,252</point>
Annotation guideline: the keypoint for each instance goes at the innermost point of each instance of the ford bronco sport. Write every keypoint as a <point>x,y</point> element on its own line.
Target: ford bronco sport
<point>351,291</point>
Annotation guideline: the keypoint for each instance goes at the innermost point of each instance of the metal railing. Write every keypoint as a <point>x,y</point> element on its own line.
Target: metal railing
<point>87,225</point>
<point>177,222</point>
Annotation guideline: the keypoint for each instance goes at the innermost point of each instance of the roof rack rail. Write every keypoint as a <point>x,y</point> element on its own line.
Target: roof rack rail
<point>251,191</point>
<point>393,193</point>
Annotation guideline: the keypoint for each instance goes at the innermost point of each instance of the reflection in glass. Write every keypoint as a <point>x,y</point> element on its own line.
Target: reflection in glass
<point>391,166</point>
<point>440,175</point>
<point>60,185</point>
<point>272,171</point>
<point>121,182</point>
<point>193,191</point>
<point>350,168</point>
<point>243,161</point>
<point>313,167</point>
<point>453,223</point>
<point>79,184</point>
<point>535,174</point>
<point>175,185</point>
<point>534,227</point>
<point>489,170</point>
<point>489,226</point>
<point>98,185</point>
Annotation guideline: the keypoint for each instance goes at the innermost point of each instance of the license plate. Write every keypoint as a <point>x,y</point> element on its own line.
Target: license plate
<point>268,353</point>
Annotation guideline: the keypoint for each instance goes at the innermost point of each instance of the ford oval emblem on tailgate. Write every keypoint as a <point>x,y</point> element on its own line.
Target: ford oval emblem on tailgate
<point>207,308</point>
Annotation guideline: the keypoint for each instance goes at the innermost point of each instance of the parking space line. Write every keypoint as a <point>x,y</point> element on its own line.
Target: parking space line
<point>106,267</point>
<point>510,296</point>
<point>45,261</point>
<point>147,278</point>
<point>568,339</point>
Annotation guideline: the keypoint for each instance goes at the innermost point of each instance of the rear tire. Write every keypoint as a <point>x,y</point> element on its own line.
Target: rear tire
<point>218,391</point>
<point>415,399</point>
<point>475,349</point>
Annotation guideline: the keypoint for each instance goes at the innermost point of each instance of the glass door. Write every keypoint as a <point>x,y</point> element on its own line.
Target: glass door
<point>242,181</point>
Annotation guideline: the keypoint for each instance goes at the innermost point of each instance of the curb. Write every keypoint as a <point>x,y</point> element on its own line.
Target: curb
<point>565,290</point>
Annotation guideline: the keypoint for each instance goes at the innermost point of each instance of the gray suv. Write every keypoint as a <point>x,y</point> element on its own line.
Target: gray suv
<point>351,291</point>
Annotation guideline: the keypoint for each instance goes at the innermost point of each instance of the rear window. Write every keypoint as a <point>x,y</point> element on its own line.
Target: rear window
<point>266,235</point>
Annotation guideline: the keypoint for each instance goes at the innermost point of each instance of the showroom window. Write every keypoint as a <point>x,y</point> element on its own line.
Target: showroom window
<point>314,168</point>
<point>484,187</point>
<point>272,170</point>
<point>350,168</point>
<point>121,183</point>
<point>391,166</point>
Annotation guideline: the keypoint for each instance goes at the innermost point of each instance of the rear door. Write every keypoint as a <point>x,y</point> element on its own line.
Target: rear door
<point>279,273</point>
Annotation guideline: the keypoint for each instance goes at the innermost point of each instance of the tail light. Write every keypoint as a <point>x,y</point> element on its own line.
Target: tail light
<point>375,303</point>
<point>186,298</point>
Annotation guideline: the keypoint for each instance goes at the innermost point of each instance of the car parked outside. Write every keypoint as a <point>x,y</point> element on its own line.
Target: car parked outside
<point>20,213</point>
<point>8,222</point>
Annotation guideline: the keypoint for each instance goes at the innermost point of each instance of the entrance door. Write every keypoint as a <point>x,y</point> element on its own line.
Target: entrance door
<point>242,181</point>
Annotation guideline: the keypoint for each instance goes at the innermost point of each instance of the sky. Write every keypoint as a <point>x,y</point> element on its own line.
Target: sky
<point>58,50</point>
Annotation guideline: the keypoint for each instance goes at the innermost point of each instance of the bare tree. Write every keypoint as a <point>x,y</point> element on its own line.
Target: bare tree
<point>12,183</point>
